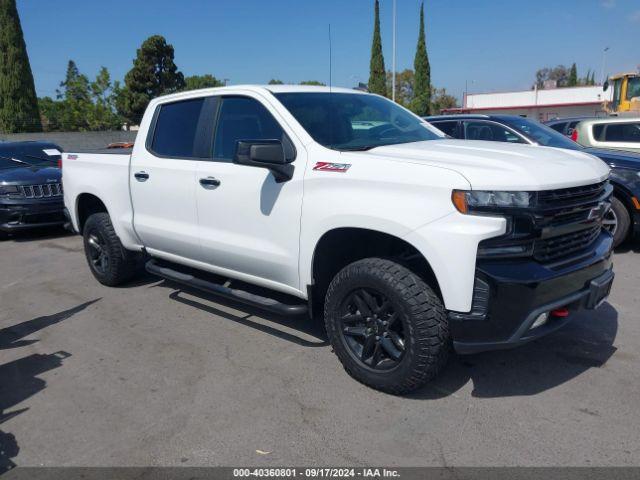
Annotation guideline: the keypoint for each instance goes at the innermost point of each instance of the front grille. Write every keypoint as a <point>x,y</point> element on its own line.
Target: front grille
<point>46,190</point>
<point>563,245</point>
<point>566,197</point>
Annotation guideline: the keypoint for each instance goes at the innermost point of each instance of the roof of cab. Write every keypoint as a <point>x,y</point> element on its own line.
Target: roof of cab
<point>258,88</point>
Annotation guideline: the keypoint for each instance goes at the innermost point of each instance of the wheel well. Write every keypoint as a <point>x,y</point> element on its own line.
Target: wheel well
<point>87,205</point>
<point>340,247</point>
<point>624,196</point>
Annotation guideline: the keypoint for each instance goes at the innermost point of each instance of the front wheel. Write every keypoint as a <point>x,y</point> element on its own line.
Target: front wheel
<point>110,263</point>
<point>617,221</point>
<point>386,325</point>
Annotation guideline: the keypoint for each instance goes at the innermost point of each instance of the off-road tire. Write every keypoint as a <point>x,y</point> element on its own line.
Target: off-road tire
<point>122,264</point>
<point>427,338</point>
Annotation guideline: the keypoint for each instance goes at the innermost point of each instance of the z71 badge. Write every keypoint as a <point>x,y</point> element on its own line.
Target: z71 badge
<point>332,167</point>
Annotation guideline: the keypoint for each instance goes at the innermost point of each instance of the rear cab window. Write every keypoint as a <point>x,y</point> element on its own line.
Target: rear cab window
<point>183,129</point>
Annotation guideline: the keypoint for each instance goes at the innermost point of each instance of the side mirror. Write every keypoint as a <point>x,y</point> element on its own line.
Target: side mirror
<point>264,154</point>
<point>605,86</point>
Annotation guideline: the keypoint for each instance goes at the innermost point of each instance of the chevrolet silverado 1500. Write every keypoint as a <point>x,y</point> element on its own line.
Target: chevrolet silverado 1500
<point>343,204</point>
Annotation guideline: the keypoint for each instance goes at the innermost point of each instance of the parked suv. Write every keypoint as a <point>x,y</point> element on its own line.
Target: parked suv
<point>566,126</point>
<point>342,203</point>
<point>622,220</point>
<point>30,186</point>
<point>621,133</point>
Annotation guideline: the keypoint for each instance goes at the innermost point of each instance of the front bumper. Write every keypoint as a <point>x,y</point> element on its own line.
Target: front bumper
<point>23,215</point>
<point>510,295</point>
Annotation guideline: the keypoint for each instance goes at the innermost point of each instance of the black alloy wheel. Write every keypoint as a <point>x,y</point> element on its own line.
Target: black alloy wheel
<point>98,252</point>
<point>372,329</point>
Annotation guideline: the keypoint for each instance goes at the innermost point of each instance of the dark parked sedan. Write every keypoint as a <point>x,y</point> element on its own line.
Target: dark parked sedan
<point>30,186</point>
<point>622,220</point>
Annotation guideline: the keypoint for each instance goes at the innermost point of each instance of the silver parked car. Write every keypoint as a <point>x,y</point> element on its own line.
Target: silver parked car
<point>618,133</point>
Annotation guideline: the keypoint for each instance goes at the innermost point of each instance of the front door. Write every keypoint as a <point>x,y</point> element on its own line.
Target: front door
<point>249,223</point>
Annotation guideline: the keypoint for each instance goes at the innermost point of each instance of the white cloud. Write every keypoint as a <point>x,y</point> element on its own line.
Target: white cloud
<point>608,3</point>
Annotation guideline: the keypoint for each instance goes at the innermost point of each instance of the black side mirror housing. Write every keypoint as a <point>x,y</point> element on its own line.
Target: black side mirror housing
<point>265,154</point>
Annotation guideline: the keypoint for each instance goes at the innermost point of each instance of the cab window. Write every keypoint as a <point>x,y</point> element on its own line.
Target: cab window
<point>244,118</point>
<point>176,132</point>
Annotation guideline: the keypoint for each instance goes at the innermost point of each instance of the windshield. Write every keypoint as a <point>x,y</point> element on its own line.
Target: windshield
<point>541,134</point>
<point>353,121</point>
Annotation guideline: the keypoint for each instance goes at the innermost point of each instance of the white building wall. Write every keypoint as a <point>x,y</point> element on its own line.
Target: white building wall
<point>541,104</point>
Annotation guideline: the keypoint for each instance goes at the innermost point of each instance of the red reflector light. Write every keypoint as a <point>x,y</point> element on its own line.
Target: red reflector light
<point>560,312</point>
<point>60,163</point>
<point>574,135</point>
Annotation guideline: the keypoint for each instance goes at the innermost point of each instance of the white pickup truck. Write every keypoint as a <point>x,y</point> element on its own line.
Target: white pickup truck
<point>343,204</point>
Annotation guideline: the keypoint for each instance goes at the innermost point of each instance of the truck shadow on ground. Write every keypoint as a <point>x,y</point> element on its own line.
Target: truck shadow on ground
<point>19,378</point>
<point>286,328</point>
<point>584,343</point>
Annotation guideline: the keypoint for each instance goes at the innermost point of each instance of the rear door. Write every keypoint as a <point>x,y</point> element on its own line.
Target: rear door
<point>163,176</point>
<point>249,223</point>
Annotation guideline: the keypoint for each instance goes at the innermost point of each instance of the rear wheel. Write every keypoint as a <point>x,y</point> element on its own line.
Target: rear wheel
<point>617,221</point>
<point>108,260</point>
<point>387,326</point>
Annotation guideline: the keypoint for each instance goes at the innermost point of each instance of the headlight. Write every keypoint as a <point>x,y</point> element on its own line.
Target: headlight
<point>470,200</point>
<point>9,190</point>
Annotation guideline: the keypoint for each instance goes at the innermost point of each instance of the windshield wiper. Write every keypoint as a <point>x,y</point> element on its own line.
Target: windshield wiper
<point>359,149</point>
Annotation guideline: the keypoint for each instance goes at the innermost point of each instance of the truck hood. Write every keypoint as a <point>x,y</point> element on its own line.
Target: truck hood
<point>502,166</point>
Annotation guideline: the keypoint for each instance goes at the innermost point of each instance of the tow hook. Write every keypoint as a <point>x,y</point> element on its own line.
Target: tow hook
<point>560,312</point>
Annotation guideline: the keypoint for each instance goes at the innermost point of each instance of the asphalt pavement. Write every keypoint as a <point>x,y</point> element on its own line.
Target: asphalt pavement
<point>151,374</point>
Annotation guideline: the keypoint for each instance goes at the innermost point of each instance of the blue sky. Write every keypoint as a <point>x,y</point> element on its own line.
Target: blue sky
<point>493,45</point>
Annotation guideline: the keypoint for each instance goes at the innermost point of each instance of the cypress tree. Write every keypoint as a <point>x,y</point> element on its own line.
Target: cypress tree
<point>377,72</point>
<point>421,104</point>
<point>154,73</point>
<point>18,102</point>
<point>573,76</point>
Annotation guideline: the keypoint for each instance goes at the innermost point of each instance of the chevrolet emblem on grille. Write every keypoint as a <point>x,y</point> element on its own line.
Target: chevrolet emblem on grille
<point>597,213</point>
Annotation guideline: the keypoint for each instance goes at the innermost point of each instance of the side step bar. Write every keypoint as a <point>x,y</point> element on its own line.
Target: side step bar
<point>242,296</point>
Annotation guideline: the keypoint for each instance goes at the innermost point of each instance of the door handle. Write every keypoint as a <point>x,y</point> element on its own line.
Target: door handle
<point>210,182</point>
<point>141,176</point>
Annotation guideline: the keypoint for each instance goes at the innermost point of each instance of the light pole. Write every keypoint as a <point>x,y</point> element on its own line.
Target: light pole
<point>604,56</point>
<point>393,61</point>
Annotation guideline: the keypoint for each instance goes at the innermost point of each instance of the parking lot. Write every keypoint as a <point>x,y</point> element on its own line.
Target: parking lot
<point>151,374</point>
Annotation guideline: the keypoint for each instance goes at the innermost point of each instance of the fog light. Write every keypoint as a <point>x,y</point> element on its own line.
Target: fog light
<point>541,320</point>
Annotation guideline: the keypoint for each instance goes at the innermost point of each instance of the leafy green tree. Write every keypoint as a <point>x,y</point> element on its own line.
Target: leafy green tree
<point>154,73</point>
<point>275,81</point>
<point>312,82</point>
<point>82,105</point>
<point>377,73</point>
<point>573,76</point>
<point>560,74</point>
<point>404,86</point>
<point>440,100</point>
<point>75,97</point>
<point>195,82</point>
<point>421,104</point>
<point>18,100</point>
<point>103,115</point>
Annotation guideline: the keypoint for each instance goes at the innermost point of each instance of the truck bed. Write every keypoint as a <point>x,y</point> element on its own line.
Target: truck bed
<point>105,175</point>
